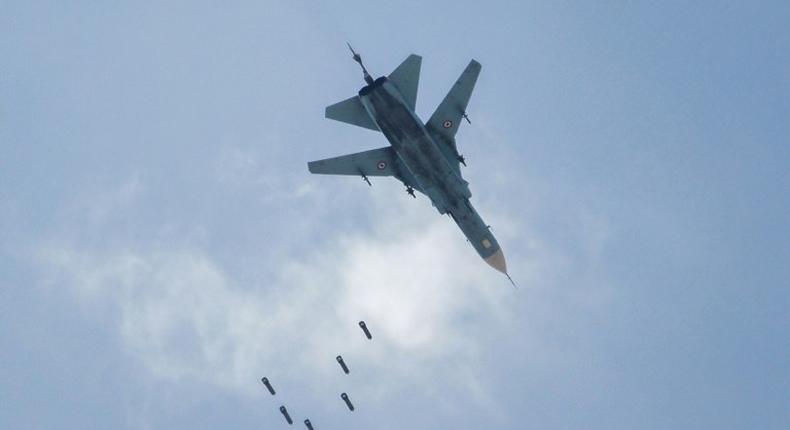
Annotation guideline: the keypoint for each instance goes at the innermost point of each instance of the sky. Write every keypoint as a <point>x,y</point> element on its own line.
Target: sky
<point>163,247</point>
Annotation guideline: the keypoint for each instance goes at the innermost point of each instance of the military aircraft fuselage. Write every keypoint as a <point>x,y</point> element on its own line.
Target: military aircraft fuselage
<point>425,162</point>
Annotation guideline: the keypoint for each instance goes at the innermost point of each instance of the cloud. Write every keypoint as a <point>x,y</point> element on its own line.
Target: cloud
<point>98,205</point>
<point>186,314</point>
<point>244,168</point>
<point>423,293</point>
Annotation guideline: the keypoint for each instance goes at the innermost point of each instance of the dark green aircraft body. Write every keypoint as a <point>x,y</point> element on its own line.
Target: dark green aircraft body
<point>421,155</point>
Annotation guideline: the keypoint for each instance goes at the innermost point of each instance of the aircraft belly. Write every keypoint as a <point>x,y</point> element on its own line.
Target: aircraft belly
<point>415,148</point>
<point>475,230</point>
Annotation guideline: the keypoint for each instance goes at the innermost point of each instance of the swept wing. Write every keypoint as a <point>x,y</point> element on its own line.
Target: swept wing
<point>444,122</point>
<point>375,162</point>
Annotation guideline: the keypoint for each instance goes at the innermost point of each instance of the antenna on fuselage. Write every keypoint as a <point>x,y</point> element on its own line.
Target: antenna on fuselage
<point>358,59</point>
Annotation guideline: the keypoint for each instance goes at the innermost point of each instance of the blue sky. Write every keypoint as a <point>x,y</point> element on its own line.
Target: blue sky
<point>163,245</point>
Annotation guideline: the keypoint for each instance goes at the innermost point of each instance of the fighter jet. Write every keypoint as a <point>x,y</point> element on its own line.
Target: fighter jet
<point>423,156</point>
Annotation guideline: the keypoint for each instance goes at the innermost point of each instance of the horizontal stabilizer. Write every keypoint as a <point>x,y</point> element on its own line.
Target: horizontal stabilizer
<point>406,79</point>
<point>352,112</point>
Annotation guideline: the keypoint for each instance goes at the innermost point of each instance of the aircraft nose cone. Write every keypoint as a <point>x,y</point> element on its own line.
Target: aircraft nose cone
<point>497,261</point>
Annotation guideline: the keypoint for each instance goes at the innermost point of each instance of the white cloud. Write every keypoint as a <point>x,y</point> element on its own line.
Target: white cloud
<point>418,286</point>
<point>98,205</point>
<point>243,168</point>
<point>428,298</point>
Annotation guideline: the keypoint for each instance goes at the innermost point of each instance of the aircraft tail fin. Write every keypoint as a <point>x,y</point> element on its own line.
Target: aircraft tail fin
<point>352,112</point>
<point>406,78</point>
<point>444,122</point>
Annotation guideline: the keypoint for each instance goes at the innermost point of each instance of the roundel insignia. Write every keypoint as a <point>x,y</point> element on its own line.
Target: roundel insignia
<point>382,165</point>
<point>447,124</point>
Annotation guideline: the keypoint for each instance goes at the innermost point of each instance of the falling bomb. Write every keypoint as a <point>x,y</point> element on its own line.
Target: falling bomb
<point>342,364</point>
<point>364,328</point>
<point>268,385</point>
<point>345,398</point>
<point>285,414</point>
<point>308,424</point>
